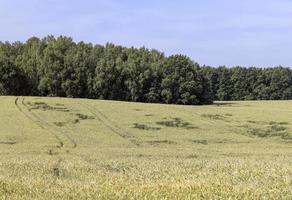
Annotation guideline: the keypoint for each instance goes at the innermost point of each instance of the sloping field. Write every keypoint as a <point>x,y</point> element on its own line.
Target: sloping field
<point>54,148</point>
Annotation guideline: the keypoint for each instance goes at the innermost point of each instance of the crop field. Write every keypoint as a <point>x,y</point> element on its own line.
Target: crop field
<point>57,148</point>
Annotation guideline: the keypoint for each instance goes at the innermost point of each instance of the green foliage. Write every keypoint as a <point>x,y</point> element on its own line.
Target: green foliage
<point>61,67</point>
<point>225,89</point>
<point>182,82</point>
<point>12,79</point>
<point>252,83</point>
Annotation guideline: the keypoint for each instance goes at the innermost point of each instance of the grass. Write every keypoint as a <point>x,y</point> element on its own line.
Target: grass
<point>55,148</point>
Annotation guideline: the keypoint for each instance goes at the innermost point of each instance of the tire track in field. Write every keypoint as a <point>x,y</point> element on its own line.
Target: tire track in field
<point>71,140</point>
<point>47,126</point>
<point>56,168</point>
<point>61,143</point>
<point>101,117</point>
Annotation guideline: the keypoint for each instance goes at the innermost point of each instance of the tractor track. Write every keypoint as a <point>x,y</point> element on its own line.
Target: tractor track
<point>61,143</point>
<point>45,125</point>
<point>35,119</point>
<point>211,122</point>
<point>71,140</point>
<point>101,117</point>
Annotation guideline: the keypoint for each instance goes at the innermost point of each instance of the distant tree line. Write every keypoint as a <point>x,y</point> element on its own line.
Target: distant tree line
<point>240,83</point>
<point>60,67</point>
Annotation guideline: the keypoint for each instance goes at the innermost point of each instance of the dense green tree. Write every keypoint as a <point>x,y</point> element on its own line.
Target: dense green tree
<point>12,80</point>
<point>240,84</point>
<point>182,82</point>
<point>61,67</point>
<point>53,68</point>
<point>225,87</point>
<point>30,62</point>
<point>280,83</point>
<point>109,82</point>
<point>77,63</point>
<point>213,76</point>
<point>142,77</point>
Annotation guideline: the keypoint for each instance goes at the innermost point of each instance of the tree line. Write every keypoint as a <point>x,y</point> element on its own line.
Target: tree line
<point>240,83</point>
<point>61,67</point>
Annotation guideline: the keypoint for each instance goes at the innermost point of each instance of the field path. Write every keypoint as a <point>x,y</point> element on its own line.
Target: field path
<point>110,124</point>
<point>63,138</point>
<point>19,103</point>
<point>35,121</point>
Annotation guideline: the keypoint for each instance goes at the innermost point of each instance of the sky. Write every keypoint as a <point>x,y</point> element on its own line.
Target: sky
<point>211,32</point>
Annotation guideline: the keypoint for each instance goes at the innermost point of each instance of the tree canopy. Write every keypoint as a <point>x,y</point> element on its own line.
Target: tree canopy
<point>61,67</point>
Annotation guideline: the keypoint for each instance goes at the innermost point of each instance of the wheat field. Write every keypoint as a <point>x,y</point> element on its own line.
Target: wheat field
<point>58,148</point>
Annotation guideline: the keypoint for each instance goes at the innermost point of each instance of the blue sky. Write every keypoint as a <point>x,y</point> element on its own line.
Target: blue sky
<point>211,32</point>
